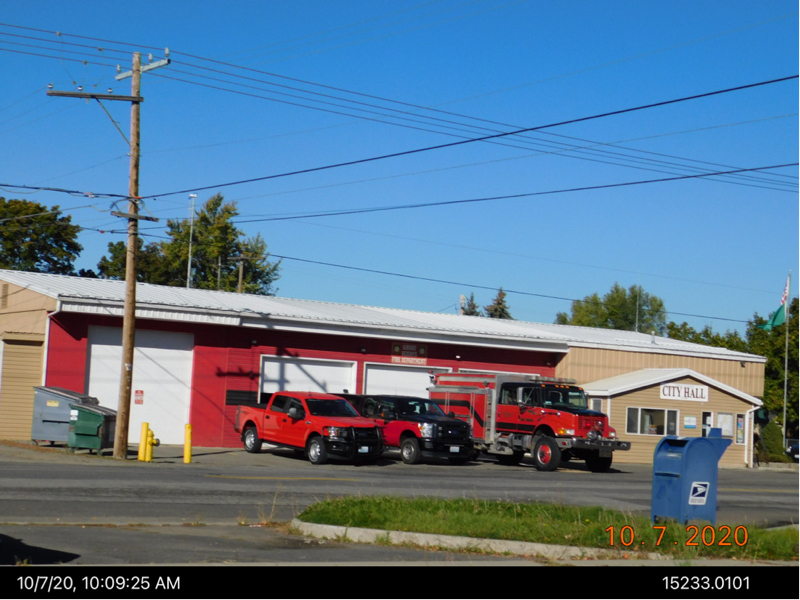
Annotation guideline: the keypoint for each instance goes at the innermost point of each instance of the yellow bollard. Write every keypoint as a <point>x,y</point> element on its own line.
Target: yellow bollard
<point>187,444</point>
<point>143,440</point>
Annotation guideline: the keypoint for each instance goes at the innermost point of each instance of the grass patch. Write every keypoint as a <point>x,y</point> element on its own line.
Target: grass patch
<point>553,524</point>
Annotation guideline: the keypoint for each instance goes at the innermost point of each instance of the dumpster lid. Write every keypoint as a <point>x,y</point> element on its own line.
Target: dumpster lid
<point>76,397</point>
<point>98,410</point>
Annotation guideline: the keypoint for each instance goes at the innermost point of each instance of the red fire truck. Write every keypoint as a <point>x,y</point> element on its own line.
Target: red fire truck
<point>514,414</point>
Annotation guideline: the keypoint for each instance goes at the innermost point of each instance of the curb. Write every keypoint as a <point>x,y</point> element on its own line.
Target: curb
<point>370,536</point>
<point>777,466</point>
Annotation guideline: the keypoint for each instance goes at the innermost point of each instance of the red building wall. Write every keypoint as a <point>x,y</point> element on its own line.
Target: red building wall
<point>226,359</point>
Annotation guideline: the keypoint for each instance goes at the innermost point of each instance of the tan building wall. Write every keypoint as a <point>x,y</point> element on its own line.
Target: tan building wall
<point>643,445</point>
<point>23,324</point>
<point>593,364</point>
<point>20,371</point>
<point>23,311</point>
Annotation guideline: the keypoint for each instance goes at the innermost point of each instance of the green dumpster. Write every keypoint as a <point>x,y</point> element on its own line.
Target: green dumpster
<point>91,427</point>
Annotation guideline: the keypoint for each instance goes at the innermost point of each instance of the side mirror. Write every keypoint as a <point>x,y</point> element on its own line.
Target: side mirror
<point>297,413</point>
<point>451,414</point>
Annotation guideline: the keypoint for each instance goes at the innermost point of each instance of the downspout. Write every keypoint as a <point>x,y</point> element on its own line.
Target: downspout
<point>47,341</point>
<point>749,428</point>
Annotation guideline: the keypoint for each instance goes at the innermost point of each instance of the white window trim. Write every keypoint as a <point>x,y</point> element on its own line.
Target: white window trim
<point>664,410</point>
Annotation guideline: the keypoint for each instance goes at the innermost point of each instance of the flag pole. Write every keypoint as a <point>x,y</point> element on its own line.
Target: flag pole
<point>786,352</point>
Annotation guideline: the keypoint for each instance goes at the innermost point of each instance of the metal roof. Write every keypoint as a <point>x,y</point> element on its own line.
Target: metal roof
<point>105,296</point>
<point>627,382</point>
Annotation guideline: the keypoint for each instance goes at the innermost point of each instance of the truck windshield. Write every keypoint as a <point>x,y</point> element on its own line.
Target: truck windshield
<point>419,406</point>
<point>563,397</point>
<point>331,408</point>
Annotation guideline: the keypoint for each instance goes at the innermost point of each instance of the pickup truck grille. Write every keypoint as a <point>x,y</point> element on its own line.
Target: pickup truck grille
<point>365,434</point>
<point>454,431</point>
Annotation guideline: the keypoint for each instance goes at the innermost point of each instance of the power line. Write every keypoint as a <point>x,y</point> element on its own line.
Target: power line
<point>463,165</point>
<point>479,139</point>
<point>569,147</point>
<point>444,281</point>
<point>469,285</point>
<point>535,258</point>
<point>594,149</point>
<point>62,191</point>
<point>506,197</point>
<point>82,37</point>
<point>539,141</point>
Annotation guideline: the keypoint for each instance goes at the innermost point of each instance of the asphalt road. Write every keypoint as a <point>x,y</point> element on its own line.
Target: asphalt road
<point>83,509</point>
<point>224,486</point>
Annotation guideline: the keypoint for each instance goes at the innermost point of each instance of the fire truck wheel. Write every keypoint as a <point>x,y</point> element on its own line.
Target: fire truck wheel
<point>546,454</point>
<point>599,464</point>
<point>315,450</point>
<point>409,451</point>
<point>252,443</point>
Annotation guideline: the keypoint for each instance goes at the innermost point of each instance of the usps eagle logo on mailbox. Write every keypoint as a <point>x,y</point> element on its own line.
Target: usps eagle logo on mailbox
<point>699,493</point>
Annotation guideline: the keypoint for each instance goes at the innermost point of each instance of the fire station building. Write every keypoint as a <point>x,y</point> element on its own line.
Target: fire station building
<point>201,353</point>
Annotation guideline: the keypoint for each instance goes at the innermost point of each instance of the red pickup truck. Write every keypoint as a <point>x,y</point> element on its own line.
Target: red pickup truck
<point>417,426</point>
<point>322,425</point>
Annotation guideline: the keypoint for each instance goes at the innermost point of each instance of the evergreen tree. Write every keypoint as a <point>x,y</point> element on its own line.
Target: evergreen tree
<point>471,308</point>
<point>498,309</point>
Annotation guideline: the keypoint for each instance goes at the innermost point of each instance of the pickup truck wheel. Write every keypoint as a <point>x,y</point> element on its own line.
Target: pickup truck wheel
<point>252,443</point>
<point>315,450</point>
<point>409,451</point>
<point>599,464</point>
<point>546,454</point>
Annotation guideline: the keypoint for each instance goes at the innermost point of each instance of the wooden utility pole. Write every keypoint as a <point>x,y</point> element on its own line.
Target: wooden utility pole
<point>240,260</point>
<point>129,314</point>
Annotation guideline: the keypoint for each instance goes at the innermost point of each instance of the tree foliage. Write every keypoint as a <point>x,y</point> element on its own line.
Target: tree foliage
<point>216,242</point>
<point>772,345</point>
<point>470,308</point>
<point>498,309</point>
<point>707,336</point>
<point>44,241</point>
<point>628,310</point>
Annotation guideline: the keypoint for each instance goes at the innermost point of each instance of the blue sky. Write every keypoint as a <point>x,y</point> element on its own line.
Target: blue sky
<point>716,247</point>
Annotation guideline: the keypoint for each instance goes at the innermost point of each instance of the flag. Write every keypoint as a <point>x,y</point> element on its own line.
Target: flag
<point>779,316</point>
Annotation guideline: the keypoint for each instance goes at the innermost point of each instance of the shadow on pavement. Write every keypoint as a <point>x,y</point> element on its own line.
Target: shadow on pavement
<point>15,552</point>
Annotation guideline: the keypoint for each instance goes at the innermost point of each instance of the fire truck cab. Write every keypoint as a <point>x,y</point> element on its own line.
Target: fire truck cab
<point>510,415</point>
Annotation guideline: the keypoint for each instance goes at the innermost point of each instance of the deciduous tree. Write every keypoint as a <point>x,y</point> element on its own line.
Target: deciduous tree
<point>216,242</point>
<point>770,344</point>
<point>629,310</point>
<point>36,238</point>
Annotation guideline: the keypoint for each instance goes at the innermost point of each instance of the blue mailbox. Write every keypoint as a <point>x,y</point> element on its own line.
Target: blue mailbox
<point>685,477</point>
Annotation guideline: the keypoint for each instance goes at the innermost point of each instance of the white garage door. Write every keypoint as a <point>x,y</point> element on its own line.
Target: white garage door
<point>162,374</point>
<point>397,380</point>
<point>307,375</point>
